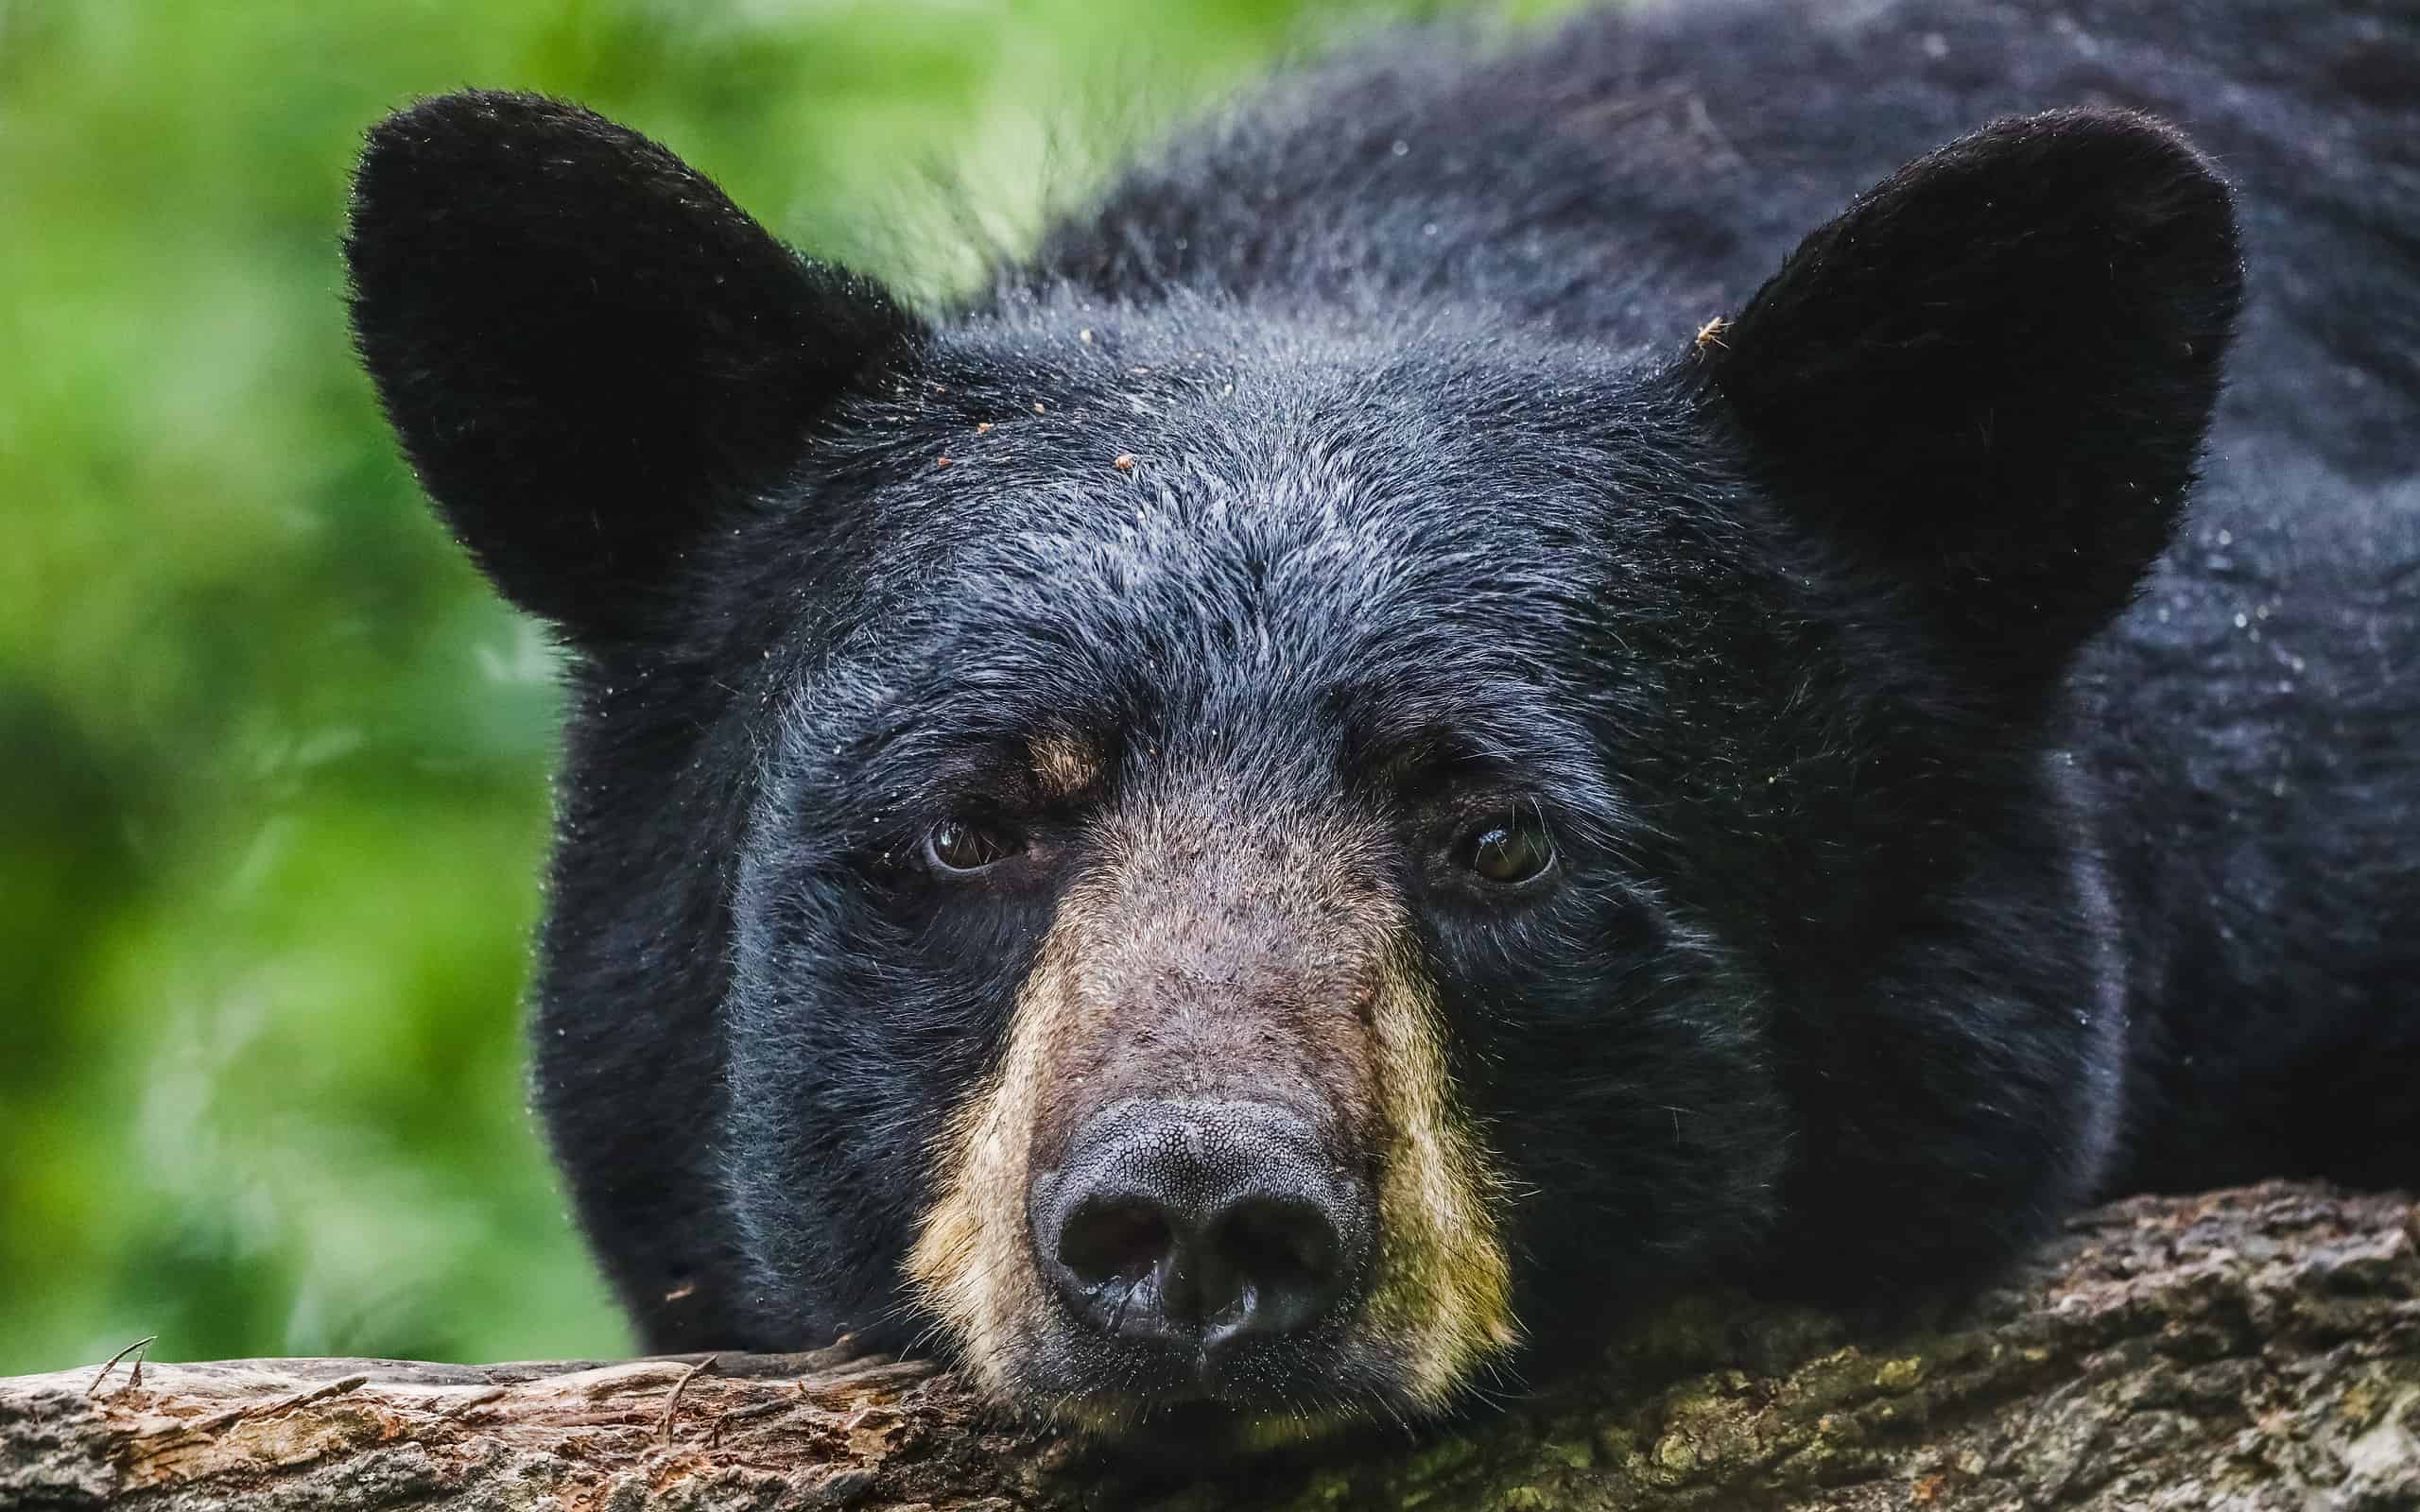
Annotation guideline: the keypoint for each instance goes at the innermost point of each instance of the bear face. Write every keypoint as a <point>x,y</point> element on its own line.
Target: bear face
<point>1233,858</point>
<point>1272,764</point>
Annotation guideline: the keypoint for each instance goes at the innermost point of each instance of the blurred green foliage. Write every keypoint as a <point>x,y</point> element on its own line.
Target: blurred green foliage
<point>272,761</point>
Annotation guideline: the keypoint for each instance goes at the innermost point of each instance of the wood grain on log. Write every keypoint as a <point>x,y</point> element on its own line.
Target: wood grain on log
<point>2249,1349</point>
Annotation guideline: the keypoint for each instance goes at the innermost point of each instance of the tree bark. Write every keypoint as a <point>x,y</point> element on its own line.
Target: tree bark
<point>2248,1349</point>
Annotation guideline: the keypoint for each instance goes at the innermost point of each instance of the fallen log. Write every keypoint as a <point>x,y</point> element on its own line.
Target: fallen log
<point>2249,1349</point>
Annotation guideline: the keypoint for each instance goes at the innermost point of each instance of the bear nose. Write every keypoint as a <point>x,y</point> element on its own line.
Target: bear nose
<point>1200,1222</point>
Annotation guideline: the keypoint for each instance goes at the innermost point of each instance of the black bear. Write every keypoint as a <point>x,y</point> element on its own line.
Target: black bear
<point>1765,641</point>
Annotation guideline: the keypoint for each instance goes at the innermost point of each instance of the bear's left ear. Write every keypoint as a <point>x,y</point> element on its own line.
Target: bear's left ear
<point>586,349</point>
<point>1990,378</point>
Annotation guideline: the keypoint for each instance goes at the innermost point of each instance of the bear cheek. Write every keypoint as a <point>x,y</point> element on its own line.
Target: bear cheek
<point>1209,973</point>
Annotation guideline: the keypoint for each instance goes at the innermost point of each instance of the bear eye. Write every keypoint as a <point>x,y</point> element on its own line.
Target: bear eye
<point>1510,850</point>
<point>965,844</point>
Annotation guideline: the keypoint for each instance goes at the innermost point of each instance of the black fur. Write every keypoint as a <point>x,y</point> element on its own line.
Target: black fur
<point>1907,901</point>
<point>585,347</point>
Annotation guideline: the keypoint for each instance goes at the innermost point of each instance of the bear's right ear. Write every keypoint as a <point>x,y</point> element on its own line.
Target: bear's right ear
<point>585,347</point>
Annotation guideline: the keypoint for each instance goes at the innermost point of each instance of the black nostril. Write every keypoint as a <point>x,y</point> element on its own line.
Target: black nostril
<point>1197,1223</point>
<point>1114,1241</point>
<point>1273,1264</point>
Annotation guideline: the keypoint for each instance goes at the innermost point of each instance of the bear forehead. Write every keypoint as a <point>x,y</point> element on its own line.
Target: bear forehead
<point>1317,510</point>
<point>1221,602</point>
<point>1308,542</point>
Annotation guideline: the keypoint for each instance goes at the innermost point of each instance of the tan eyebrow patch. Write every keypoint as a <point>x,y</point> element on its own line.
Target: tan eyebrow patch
<point>1065,767</point>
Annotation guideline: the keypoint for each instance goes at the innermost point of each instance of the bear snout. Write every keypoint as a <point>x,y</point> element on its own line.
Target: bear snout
<point>1220,1157</point>
<point>1197,1224</point>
